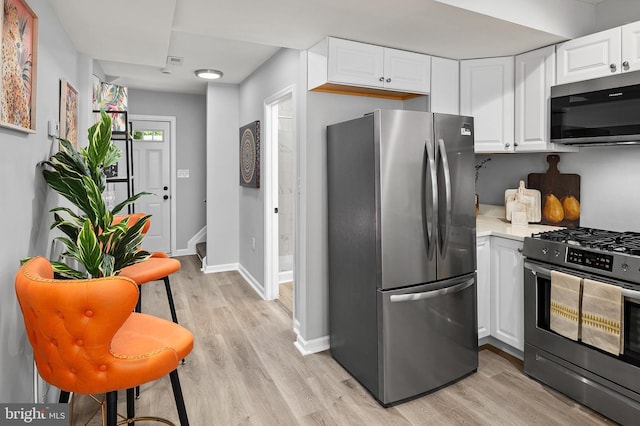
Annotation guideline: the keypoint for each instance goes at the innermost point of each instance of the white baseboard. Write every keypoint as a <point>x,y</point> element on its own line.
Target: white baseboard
<point>200,236</point>
<point>285,276</point>
<point>308,347</point>
<point>212,269</point>
<point>259,288</point>
<point>183,252</point>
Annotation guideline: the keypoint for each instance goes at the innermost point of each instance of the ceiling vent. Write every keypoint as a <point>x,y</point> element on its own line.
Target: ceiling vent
<point>175,61</point>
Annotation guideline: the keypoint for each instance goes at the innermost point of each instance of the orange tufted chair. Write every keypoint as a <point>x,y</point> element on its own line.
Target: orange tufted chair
<point>87,340</point>
<point>158,267</point>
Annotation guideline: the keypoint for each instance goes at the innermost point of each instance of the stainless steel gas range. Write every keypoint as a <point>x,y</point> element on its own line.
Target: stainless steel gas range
<point>607,383</point>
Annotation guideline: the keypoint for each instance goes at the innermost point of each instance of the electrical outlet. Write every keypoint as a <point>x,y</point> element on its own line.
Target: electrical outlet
<point>183,173</point>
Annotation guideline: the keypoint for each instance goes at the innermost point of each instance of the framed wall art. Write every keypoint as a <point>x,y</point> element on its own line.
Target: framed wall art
<point>68,112</point>
<point>19,64</point>
<point>250,155</point>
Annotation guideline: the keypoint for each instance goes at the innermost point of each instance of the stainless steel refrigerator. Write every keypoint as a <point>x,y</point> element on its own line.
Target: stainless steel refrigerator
<point>402,251</point>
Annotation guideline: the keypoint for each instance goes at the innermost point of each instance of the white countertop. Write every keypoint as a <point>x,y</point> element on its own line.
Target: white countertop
<point>491,222</point>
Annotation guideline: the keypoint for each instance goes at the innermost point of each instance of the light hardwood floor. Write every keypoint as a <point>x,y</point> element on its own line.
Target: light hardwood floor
<point>286,295</point>
<point>244,370</point>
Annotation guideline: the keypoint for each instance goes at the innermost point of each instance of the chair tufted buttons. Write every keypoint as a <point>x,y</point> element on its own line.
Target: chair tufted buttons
<point>88,313</point>
<point>103,367</point>
<point>60,315</point>
<point>54,342</point>
<point>79,342</point>
<point>73,371</point>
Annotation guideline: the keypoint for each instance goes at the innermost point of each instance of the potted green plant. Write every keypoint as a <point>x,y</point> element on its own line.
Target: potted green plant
<point>91,237</point>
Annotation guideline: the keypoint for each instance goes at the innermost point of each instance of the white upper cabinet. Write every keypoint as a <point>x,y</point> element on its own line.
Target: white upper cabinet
<point>631,47</point>
<point>445,85</point>
<point>406,71</point>
<point>335,61</point>
<point>355,63</point>
<point>601,54</point>
<point>487,94</point>
<point>535,73</point>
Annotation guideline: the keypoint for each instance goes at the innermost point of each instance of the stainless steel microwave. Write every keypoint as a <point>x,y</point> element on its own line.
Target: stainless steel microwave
<point>599,111</point>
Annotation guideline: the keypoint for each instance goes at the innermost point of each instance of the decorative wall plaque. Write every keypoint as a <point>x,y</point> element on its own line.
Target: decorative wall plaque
<point>250,155</point>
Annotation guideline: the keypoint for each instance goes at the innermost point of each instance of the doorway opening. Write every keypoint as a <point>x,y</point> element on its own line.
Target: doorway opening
<point>280,193</point>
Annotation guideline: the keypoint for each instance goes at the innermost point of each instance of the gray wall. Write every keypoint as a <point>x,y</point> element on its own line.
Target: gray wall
<point>613,13</point>
<point>609,182</point>
<point>222,176</point>
<point>190,113</point>
<point>278,73</point>
<point>26,199</point>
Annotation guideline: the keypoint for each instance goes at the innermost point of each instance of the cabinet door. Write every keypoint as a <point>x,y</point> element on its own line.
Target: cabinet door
<point>483,249</point>
<point>592,56</point>
<point>631,47</point>
<point>355,63</point>
<point>445,85</point>
<point>507,292</point>
<point>406,71</point>
<point>486,93</point>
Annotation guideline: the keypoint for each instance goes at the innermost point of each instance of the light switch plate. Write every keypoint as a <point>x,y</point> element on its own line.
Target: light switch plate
<point>183,173</point>
<point>53,128</point>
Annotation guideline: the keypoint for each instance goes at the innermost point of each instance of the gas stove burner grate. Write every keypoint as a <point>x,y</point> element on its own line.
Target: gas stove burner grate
<point>619,242</point>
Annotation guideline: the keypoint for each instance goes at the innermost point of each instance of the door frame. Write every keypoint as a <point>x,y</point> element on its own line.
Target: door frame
<point>172,169</point>
<point>271,237</point>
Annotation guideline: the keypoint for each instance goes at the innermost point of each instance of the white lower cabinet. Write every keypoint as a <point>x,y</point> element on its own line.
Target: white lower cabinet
<point>483,249</point>
<point>507,292</point>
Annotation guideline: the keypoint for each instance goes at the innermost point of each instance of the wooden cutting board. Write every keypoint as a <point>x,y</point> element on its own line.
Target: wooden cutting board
<point>560,193</point>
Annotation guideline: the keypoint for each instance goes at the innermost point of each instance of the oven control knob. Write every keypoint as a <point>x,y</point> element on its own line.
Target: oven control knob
<point>556,253</point>
<point>624,266</point>
<point>545,250</point>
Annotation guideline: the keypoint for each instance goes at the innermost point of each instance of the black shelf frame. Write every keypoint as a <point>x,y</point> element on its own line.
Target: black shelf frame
<point>125,136</point>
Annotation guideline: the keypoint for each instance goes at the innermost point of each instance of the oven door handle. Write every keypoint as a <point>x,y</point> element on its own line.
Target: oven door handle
<point>539,270</point>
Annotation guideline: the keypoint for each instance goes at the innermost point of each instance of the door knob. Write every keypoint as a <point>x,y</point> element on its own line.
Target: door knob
<point>166,197</point>
<point>275,210</point>
<point>166,187</point>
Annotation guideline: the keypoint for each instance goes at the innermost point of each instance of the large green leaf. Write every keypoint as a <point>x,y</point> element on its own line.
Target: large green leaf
<point>89,253</point>
<point>118,208</point>
<point>67,272</point>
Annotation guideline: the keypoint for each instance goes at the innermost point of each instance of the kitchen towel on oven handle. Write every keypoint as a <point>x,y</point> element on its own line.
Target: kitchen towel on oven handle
<point>601,316</point>
<point>566,298</point>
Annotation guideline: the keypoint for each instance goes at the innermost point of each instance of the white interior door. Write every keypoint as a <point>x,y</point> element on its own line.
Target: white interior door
<point>152,173</point>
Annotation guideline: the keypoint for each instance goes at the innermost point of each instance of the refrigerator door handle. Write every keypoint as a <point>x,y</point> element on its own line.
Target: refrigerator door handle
<point>430,214</point>
<point>447,191</point>
<point>431,294</point>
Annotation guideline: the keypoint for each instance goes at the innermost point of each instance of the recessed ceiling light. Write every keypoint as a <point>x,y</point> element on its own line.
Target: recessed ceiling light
<point>209,74</point>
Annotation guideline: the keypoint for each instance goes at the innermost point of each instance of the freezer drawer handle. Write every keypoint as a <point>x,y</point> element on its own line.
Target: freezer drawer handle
<point>431,294</point>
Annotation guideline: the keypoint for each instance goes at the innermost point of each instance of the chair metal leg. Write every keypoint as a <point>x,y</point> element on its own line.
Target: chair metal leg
<point>167,287</point>
<point>64,397</point>
<point>112,408</point>
<point>139,303</point>
<point>177,394</point>
<point>131,405</point>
